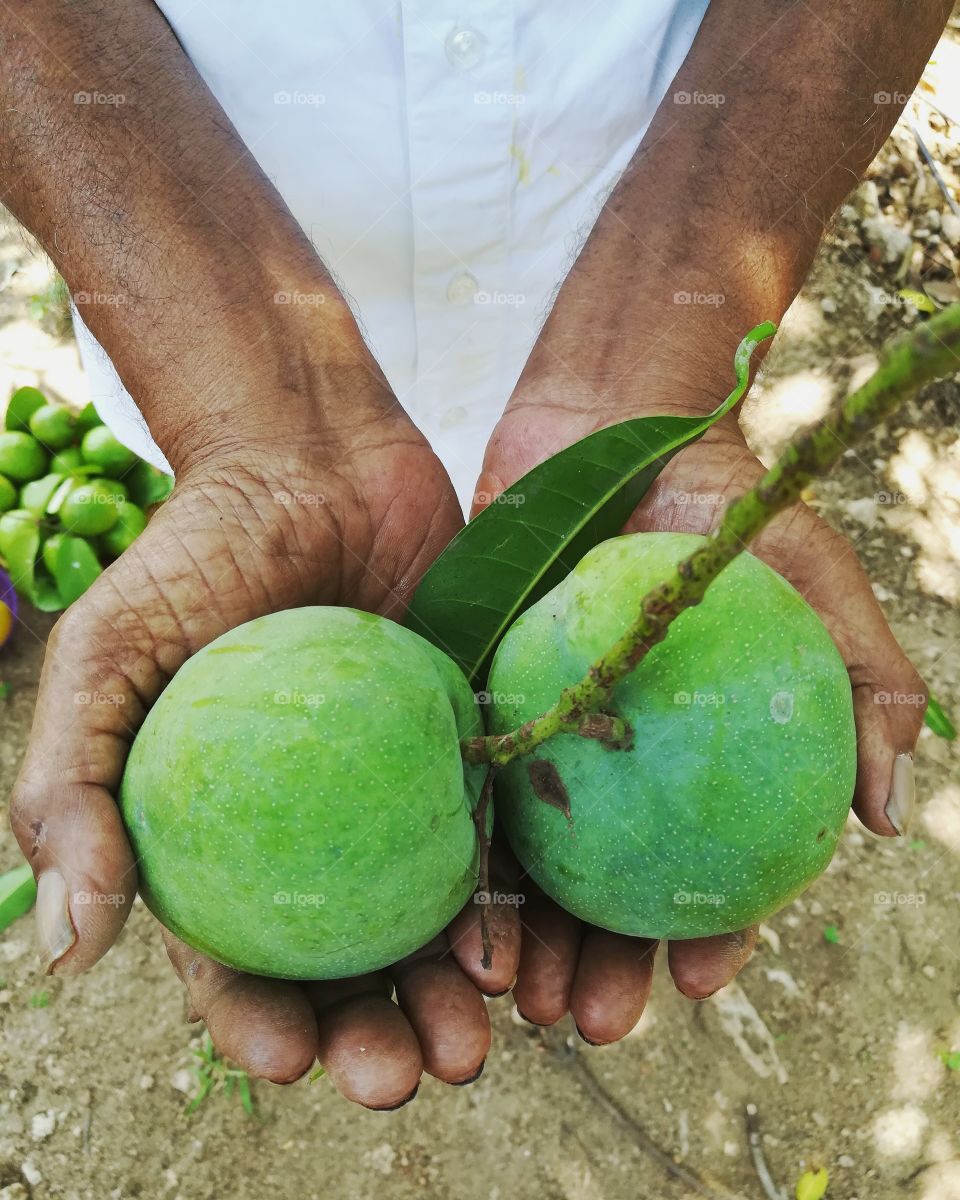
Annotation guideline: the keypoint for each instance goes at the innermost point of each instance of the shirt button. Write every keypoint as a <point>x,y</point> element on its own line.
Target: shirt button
<point>464,48</point>
<point>462,288</point>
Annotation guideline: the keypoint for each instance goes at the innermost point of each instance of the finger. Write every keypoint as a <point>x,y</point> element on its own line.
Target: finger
<point>446,1011</point>
<point>550,946</point>
<point>884,797</point>
<point>62,811</point>
<point>612,984</point>
<point>889,696</point>
<point>489,486</point>
<point>366,1045</point>
<point>503,927</point>
<point>701,966</point>
<point>266,1026</point>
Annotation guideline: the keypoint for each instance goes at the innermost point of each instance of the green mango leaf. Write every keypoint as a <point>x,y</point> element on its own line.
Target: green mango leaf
<point>937,720</point>
<point>23,404</point>
<point>21,544</point>
<point>18,891</point>
<point>77,567</point>
<point>522,545</point>
<point>60,494</point>
<point>35,496</point>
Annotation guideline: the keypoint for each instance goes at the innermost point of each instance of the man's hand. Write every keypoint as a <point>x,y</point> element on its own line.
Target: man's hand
<point>241,537</point>
<point>711,230</point>
<point>299,481</point>
<point>604,978</point>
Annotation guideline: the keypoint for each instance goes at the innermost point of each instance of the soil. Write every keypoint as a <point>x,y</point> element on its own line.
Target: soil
<point>835,1031</point>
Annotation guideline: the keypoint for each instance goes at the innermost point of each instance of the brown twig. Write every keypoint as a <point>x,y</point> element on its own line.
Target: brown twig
<point>483,875</point>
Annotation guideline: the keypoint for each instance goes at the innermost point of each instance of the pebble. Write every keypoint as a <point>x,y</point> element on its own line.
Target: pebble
<point>932,218</point>
<point>845,1161</point>
<point>866,199</point>
<point>828,305</point>
<point>30,1173</point>
<point>42,1125</point>
<point>950,224</point>
<point>14,1191</point>
<point>183,1081</point>
<point>887,237</point>
<point>731,1149</point>
<point>146,1082</point>
<point>929,971</point>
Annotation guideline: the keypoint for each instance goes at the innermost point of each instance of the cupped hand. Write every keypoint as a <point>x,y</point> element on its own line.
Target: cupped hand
<point>246,532</point>
<point>603,979</point>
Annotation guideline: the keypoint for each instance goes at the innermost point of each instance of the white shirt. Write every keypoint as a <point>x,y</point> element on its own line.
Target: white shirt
<point>447,159</point>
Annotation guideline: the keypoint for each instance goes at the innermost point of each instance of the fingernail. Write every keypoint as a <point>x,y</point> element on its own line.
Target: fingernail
<point>539,1024</point>
<point>472,1078</point>
<point>903,794</point>
<point>494,995</point>
<point>399,1104</point>
<point>55,930</point>
<point>584,1038</point>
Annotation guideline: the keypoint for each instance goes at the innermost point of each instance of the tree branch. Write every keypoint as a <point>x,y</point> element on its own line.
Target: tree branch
<point>929,352</point>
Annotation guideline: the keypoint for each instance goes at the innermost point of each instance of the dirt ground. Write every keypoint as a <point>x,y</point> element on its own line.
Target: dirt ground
<point>838,1043</point>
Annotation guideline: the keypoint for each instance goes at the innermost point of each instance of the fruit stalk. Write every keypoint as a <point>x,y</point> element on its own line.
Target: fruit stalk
<point>928,353</point>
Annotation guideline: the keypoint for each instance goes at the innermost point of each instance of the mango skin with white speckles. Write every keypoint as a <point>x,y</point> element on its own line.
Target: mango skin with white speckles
<point>737,786</point>
<point>296,798</point>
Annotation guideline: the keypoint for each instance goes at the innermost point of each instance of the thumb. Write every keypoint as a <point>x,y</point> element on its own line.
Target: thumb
<point>62,809</point>
<point>489,487</point>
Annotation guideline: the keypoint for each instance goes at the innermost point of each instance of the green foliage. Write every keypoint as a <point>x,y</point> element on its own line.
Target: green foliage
<point>214,1074</point>
<point>499,565</point>
<point>39,511</point>
<point>936,719</point>
<point>18,891</point>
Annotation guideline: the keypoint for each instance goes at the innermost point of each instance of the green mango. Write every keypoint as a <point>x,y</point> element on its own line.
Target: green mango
<point>735,789</point>
<point>296,799</point>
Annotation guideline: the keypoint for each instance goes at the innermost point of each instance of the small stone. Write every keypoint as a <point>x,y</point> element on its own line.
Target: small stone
<point>731,1149</point>
<point>932,218</point>
<point>146,1082</point>
<point>845,1161</point>
<point>42,1125</point>
<point>14,1191</point>
<point>828,305</point>
<point>929,971</point>
<point>30,1173</point>
<point>887,237</point>
<point>950,225</point>
<point>183,1081</point>
<point>866,199</point>
<point>381,1158</point>
<point>906,551</point>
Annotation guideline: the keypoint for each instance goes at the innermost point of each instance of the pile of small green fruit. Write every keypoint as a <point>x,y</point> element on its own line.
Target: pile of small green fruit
<point>72,498</point>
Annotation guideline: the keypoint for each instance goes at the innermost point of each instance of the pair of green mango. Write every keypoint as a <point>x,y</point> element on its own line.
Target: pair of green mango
<point>300,808</point>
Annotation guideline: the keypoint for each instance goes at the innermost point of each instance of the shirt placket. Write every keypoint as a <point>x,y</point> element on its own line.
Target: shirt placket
<point>460,75</point>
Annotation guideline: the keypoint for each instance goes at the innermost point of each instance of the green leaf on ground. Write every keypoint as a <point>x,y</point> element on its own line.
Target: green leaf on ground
<point>936,719</point>
<point>18,891</point>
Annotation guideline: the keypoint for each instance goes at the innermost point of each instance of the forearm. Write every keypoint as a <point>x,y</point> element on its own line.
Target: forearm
<point>153,209</point>
<point>714,225</point>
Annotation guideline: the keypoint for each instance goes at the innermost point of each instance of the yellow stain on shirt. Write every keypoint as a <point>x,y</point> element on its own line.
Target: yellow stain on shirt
<point>523,167</point>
